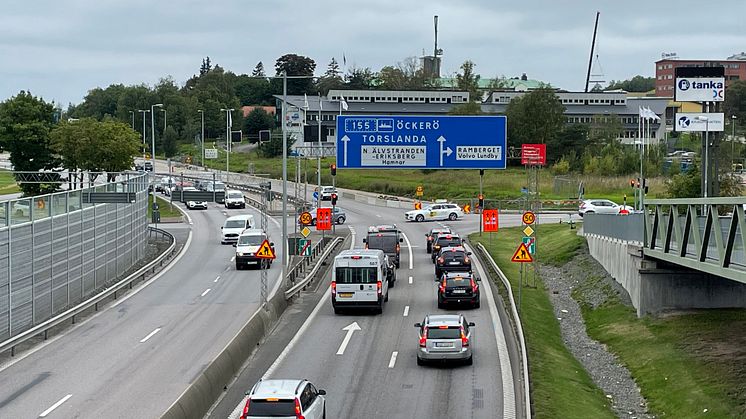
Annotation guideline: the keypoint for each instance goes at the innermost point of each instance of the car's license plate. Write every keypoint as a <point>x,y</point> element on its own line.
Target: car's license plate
<point>346,294</point>
<point>443,344</point>
<point>454,263</point>
<point>459,291</point>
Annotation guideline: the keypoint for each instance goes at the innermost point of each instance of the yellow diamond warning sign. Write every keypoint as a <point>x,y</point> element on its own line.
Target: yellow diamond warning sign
<point>266,251</point>
<point>522,255</point>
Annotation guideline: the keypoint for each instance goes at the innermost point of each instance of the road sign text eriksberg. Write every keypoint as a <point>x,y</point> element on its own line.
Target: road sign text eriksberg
<point>437,142</point>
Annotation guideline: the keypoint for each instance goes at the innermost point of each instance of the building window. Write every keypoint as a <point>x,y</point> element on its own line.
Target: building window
<point>660,67</point>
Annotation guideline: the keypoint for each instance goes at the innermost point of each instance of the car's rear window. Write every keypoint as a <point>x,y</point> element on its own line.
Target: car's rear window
<point>383,241</point>
<point>438,333</point>
<point>457,282</point>
<point>250,240</point>
<point>451,256</point>
<point>445,242</point>
<point>265,408</point>
<point>235,195</point>
<point>355,275</point>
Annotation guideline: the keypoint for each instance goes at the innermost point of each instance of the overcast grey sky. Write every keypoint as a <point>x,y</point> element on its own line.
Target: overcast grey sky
<point>59,50</point>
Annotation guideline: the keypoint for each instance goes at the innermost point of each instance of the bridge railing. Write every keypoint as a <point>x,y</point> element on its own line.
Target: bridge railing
<point>706,234</point>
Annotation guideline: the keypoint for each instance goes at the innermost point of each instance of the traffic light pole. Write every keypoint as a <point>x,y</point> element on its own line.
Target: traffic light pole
<point>481,198</point>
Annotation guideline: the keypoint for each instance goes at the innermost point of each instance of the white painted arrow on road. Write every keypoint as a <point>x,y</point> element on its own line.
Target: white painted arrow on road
<point>447,151</point>
<point>346,140</point>
<point>350,330</point>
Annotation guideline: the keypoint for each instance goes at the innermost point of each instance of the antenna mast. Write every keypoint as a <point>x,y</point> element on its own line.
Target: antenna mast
<point>590,59</point>
<point>435,52</point>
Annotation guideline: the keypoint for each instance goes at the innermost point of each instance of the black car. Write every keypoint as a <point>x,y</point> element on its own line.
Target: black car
<point>458,288</point>
<point>148,166</point>
<point>452,259</point>
<point>433,234</point>
<point>444,240</point>
<point>386,238</point>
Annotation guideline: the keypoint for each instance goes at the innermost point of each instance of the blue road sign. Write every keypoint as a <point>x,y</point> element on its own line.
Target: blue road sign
<point>434,142</point>
<point>315,194</point>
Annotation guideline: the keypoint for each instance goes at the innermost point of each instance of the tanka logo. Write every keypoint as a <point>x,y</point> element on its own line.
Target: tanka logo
<point>684,84</point>
<point>684,122</point>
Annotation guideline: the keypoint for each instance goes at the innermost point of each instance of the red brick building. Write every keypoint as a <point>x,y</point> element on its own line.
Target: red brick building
<point>665,76</point>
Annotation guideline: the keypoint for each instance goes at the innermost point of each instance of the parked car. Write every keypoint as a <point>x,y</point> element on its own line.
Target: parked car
<point>445,337</point>
<point>601,206</point>
<point>451,259</point>
<point>458,287</point>
<point>438,211</point>
<point>338,217</point>
<point>433,234</point>
<point>289,398</point>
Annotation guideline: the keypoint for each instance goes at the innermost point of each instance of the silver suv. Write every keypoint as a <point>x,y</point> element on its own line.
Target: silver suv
<point>444,337</point>
<point>284,399</point>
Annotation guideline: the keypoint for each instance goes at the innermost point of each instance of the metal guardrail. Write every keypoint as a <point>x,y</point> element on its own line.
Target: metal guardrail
<point>93,301</point>
<point>518,327</point>
<point>302,284</point>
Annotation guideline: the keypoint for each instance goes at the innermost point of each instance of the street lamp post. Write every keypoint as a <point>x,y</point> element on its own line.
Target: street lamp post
<point>132,113</point>
<point>143,112</point>
<point>707,157</point>
<point>202,136</point>
<point>227,140</point>
<point>152,145</point>
<point>164,120</point>
<point>732,140</point>
<point>285,175</point>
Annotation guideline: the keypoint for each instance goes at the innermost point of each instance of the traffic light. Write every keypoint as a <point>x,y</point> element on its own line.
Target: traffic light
<point>333,167</point>
<point>631,183</point>
<point>481,172</point>
<point>334,199</point>
<point>481,201</point>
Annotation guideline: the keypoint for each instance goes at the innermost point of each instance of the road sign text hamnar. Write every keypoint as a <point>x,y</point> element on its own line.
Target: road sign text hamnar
<point>437,142</point>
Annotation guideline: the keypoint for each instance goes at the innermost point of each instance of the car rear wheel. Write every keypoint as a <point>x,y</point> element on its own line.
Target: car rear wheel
<point>420,361</point>
<point>337,310</point>
<point>477,304</point>
<point>469,360</point>
<point>419,218</point>
<point>453,216</point>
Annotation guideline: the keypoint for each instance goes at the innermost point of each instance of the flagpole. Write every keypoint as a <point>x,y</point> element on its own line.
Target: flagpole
<point>639,138</point>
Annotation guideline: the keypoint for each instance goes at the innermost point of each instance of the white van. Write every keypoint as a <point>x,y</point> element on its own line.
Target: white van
<point>248,245</point>
<point>234,226</point>
<point>360,278</point>
<point>234,199</point>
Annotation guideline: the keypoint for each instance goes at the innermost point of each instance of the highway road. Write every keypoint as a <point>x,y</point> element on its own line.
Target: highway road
<point>377,375</point>
<point>134,358</point>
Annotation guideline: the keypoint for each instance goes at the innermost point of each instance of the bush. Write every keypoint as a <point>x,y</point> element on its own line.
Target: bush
<point>562,167</point>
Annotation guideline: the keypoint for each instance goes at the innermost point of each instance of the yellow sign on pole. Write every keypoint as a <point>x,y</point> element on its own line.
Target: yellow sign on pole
<point>522,255</point>
<point>419,191</point>
<point>265,251</point>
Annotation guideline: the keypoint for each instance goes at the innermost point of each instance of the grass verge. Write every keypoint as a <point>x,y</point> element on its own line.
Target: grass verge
<point>560,386</point>
<point>8,184</point>
<point>498,184</point>
<point>165,207</point>
<point>687,365</point>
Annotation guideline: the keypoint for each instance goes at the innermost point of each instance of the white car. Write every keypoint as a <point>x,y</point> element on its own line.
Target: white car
<point>601,206</point>
<point>326,192</point>
<point>196,205</point>
<point>450,212</point>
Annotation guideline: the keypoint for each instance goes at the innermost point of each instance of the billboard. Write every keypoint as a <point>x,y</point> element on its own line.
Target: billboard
<point>699,122</point>
<point>699,89</point>
<point>535,154</point>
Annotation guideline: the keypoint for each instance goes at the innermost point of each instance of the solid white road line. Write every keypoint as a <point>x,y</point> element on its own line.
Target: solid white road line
<point>150,335</point>
<point>410,279</point>
<point>205,293</point>
<point>297,336</point>
<point>509,405</point>
<point>409,246</point>
<point>159,274</point>
<point>392,361</point>
<point>54,406</point>
<point>216,279</point>
<point>406,311</point>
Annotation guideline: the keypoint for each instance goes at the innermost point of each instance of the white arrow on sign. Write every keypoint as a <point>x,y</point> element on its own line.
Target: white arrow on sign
<point>447,151</point>
<point>346,140</point>
<point>350,330</point>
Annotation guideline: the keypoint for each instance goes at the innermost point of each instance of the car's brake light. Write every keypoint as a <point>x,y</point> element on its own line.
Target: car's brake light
<point>423,338</point>
<point>398,247</point>
<point>464,339</point>
<point>246,409</point>
<point>379,287</point>
<point>466,260</point>
<point>356,257</point>
<point>429,238</point>
<point>334,288</point>
<point>297,410</point>
<point>442,286</point>
<point>474,286</point>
